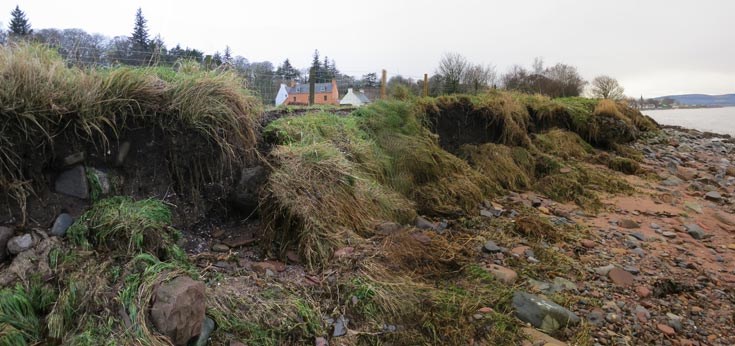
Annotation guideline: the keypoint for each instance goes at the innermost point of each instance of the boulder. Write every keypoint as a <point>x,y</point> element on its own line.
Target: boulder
<point>537,337</point>
<point>695,231</point>
<point>73,182</point>
<point>61,224</point>
<point>505,275</point>
<point>491,247</point>
<point>5,235</point>
<point>422,223</point>
<point>247,190</point>
<point>74,158</point>
<point>621,277</point>
<point>207,328</point>
<point>713,196</point>
<point>26,263</point>
<point>20,243</point>
<point>629,224</point>
<point>542,313</point>
<point>178,308</point>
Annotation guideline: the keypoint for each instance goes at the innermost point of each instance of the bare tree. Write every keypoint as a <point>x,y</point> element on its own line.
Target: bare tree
<point>478,77</point>
<point>565,79</point>
<point>452,69</point>
<point>606,87</point>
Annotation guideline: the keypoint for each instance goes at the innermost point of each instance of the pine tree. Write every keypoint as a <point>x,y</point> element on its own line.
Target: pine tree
<point>19,25</point>
<point>316,66</point>
<point>287,71</point>
<point>227,57</point>
<point>140,31</point>
<point>324,73</point>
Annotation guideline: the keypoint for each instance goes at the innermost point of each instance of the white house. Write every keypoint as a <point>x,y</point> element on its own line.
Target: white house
<point>282,95</point>
<point>354,98</point>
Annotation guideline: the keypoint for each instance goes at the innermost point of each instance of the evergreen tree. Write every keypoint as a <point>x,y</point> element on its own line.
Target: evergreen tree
<point>287,71</point>
<point>227,57</point>
<point>19,25</point>
<point>140,31</point>
<point>141,47</point>
<point>324,72</point>
<point>316,66</point>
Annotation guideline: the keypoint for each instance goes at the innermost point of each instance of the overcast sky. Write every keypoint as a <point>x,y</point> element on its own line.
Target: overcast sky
<point>653,47</point>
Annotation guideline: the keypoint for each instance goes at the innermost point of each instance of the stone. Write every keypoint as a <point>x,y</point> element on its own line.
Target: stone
<point>544,210</point>
<point>596,317</point>
<point>713,196</point>
<point>505,275</point>
<point>668,234</point>
<point>694,207</point>
<point>178,308</point>
<point>686,174</point>
<point>620,277</point>
<point>27,263</point>
<point>293,256</point>
<point>73,159</point>
<point>5,234</point>
<point>631,269</point>
<point>491,247</point>
<point>122,153</point>
<point>207,329</point>
<point>219,247</point>
<point>520,250</point>
<point>638,235</point>
<point>422,223</point>
<point>655,226</point>
<point>563,284</point>
<point>487,213</point>
<point>672,181</point>
<point>239,241</point>
<point>642,291</point>
<point>628,223</point>
<point>245,196</point>
<point>604,270</point>
<point>340,326</point>
<point>20,243</point>
<point>725,218</point>
<point>321,341</point>
<point>668,331</point>
<point>388,228</point>
<point>485,310</point>
<point>695,231</point>
<point>262,267</point>
<point>590,244</point>
<point>344,252</point>
<point>61,224</point>
<point>73,182</point>
<point>542,313</point>
<point>103,180</point>
<point>236,343</point>
<point>537,337</point>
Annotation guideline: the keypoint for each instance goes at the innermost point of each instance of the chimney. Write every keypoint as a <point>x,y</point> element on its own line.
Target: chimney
<point>362,91</point>
<point>293,83</point>
<point>349,90</point>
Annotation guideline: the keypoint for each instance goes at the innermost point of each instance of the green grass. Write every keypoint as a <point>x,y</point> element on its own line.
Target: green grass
<point>122,224</point>
<point>43,101</point>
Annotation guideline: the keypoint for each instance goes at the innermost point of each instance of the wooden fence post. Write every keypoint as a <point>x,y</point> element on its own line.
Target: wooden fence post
<point>382,85</point>
<point>426,84</point>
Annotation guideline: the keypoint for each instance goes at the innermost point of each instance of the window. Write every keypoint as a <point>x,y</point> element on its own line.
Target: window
<point>325,97</point>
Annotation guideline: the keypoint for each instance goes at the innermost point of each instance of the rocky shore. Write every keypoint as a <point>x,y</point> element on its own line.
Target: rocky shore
<point>660,262</point>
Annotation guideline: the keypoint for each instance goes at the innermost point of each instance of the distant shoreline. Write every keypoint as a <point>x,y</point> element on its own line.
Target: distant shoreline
<point>687,107</point>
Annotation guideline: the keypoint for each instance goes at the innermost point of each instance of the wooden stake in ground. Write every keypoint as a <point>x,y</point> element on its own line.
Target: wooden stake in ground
<point>382,84</point>
<point>426,85</point>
